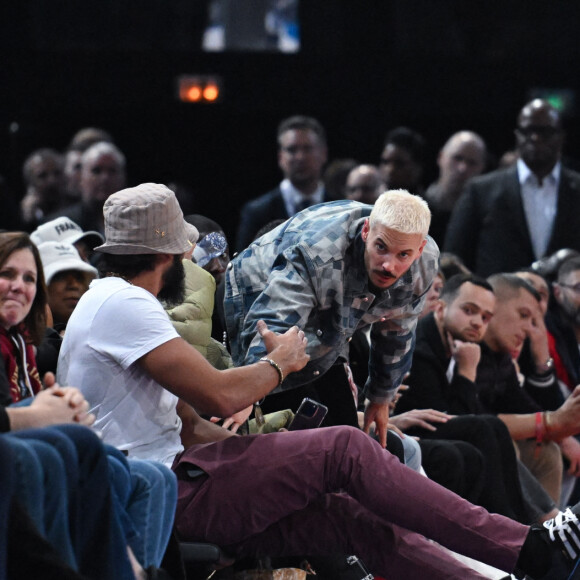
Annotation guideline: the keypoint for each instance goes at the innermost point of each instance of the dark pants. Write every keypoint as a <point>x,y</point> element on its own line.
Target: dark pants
<point>456,465</point>
<point>97,540</point>
<point>334,491</point>
<point>502,490</point>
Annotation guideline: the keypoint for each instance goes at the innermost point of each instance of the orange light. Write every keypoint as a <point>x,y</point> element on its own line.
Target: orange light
<point>199,88</point>
<point>211,93</point>
<point>194,94</point>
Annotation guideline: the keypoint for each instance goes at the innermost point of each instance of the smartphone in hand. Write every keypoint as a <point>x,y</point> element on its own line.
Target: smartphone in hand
<point>310,415</point>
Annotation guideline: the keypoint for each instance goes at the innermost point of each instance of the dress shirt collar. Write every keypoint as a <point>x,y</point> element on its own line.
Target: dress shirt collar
<point>524,173</point>
<point>294,197</point>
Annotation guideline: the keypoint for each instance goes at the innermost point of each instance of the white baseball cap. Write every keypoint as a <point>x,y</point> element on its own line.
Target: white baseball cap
<point>62,256</point>
<point>63,229</point>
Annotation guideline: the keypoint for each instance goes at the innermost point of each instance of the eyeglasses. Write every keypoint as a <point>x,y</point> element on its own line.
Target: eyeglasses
<point>574,287</point>
<point>542,131</point>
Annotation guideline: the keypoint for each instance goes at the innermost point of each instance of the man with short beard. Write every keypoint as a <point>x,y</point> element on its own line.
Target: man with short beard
<point>302,153</point>
<point>463,365</point>
<point>443,377</point>
<point>333,269</point>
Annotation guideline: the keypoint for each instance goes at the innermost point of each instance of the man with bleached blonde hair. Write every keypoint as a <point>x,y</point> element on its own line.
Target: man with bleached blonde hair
<point>331,270</point>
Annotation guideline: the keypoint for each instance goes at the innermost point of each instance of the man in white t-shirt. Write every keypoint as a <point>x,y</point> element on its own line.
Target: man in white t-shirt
<point>261,494</point>
<point>121,346</point>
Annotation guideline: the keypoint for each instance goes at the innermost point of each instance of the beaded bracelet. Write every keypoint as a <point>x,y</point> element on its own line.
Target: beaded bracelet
<point>276,366</point>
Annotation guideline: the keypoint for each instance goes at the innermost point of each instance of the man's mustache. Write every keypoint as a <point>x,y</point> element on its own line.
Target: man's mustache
<point>385,273</point>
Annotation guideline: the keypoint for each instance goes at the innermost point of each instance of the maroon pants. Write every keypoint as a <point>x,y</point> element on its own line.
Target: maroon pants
<point>330,491</point>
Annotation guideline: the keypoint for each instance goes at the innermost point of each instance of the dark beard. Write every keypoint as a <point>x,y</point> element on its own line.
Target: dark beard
<point>173,291</point>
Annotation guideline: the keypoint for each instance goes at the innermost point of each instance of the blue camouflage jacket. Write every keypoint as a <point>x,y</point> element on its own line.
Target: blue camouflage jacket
<point>310,272</point>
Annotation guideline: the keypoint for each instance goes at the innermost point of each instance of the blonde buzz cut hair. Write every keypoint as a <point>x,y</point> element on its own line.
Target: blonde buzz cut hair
<point>401,211</point>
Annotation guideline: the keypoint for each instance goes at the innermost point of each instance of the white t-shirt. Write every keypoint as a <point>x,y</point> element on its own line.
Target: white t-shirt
<point>113,325</point>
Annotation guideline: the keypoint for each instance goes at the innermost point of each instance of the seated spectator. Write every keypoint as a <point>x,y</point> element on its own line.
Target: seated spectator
<point>364,184</point>
<point>89,136</point>
<point>262,494</point>
<point>63,229</point>
<point>67,278</point>
<point>443,373</point>
<point>450,264</point>
<point>193,318</point>
<point>334,178</point>
<point>536,360</point>
<point>212,253</point>
<point>462,157</point>
<point>432,297</point>
<point>22,321</point>
<point>541,350</point>
<point>43,174</point>
<point>80,142</point>
<point>563,321</point>
<point>403,160</point>
<point>486,370</point>
<point>102,173</point>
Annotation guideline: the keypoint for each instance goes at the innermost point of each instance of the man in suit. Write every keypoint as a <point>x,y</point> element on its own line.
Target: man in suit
<point>302,154</point>
<point>507,219</point>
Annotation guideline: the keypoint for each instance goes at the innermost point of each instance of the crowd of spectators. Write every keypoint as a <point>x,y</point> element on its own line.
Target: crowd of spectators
<point>451,380</point>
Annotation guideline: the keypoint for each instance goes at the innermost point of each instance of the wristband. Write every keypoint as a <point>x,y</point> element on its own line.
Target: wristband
<point>546,367</point>
<point>276,366</point>
<point>547,416</point>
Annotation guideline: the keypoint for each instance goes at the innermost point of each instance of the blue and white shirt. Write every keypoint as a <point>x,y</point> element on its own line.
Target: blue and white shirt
<point>310,272</point>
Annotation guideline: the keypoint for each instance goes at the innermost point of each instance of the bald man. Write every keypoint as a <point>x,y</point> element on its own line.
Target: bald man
<point>461,158</point>
<point>507,219</point>
<point>364,183</point>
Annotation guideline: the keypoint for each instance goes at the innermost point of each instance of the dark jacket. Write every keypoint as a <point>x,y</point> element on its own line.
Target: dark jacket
<point>496,388</point>
<point>565,343</point>
<point>488,228</point>
<point>257,213</point>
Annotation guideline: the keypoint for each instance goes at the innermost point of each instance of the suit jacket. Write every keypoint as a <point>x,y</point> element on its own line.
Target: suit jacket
<point>488,228</point>
<point>258,212</point>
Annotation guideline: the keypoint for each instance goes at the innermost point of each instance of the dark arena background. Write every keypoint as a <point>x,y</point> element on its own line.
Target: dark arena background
<point>361,67</point>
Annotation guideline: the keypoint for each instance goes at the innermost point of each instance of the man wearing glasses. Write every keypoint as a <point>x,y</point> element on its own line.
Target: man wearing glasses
<point>507,219</point>
<point>563,322</point>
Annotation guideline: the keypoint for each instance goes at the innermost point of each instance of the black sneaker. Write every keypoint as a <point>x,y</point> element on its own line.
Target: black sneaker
<point>562,533</point>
